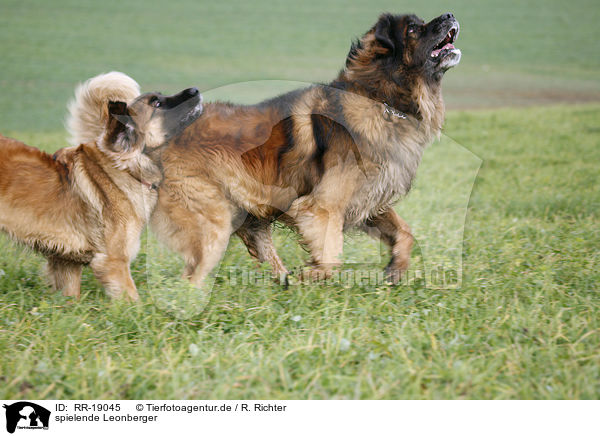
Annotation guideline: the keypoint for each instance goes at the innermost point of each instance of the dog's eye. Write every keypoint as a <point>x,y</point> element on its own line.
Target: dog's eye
<point>412,28</point>
<point>156,103</point>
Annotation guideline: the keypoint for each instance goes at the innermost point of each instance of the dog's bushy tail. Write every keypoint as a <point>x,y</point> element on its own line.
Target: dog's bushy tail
<point>88,111</point>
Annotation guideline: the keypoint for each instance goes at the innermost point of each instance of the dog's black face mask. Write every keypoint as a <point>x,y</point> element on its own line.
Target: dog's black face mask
<point>152,118</point>
<point>177,111</point>
<point>408,43</point>
<point>439,46</point>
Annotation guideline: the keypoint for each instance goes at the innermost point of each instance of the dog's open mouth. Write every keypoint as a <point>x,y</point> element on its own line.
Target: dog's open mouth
<point>446,43</point>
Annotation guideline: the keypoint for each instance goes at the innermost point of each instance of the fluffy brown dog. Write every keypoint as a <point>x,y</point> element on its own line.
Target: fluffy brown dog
<point>322,159</point>
<point>88,204</point>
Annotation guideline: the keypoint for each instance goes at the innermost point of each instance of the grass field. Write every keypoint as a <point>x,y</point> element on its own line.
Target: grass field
<point>513,53</point>
<point>525,321</point>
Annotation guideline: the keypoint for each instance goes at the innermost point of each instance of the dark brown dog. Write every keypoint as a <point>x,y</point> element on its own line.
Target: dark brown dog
<point>88,204</point>
<point>322,159</point>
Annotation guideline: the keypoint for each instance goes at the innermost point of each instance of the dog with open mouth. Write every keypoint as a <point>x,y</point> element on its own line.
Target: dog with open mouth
<point>88,204</point>
<point>322,159</point>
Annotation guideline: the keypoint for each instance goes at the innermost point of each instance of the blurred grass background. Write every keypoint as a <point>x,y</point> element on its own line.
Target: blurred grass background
<point>513,52</point>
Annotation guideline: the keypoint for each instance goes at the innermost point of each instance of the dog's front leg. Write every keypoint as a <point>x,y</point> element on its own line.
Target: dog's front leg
<point>322,231</point>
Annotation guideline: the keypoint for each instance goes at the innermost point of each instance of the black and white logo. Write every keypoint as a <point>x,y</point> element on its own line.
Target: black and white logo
<point>26,416</point>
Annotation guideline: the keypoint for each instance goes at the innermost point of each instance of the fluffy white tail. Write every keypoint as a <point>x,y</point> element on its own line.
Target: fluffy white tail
<point>88,111</point>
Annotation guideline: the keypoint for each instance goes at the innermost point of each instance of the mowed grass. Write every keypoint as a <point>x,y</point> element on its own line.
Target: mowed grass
<point>524,324</point>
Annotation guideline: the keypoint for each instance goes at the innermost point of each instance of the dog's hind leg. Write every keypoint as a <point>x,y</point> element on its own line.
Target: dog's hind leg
<point>256,235</point>
<point>200,236</point>
<point>206,244</point>
<point>65,276</point>
<point>395,232</point>
<point>196,225</point>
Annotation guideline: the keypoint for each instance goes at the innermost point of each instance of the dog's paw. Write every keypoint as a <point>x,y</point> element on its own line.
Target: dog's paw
<point>316,274</point>
<point>282,279</point>
<point>393,273</point>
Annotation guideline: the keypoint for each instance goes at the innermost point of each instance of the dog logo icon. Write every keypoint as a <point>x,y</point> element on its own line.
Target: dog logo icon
<point>26,415</point>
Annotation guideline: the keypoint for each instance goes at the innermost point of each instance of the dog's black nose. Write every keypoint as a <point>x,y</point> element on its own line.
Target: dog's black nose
<point>447,16</point>
<point>192,91</point>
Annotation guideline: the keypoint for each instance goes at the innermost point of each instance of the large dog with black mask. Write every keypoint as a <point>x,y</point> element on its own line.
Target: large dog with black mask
<point>321,159</point>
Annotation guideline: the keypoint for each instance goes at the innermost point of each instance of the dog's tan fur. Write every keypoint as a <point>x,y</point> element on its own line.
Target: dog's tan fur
<point>88,111</point>
<point>322,160</point>
<point>88,203</point>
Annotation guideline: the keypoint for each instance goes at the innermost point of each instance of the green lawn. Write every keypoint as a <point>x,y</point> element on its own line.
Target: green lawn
<point>524,324</point>
<point>524,321</point>
<point>514,52</point>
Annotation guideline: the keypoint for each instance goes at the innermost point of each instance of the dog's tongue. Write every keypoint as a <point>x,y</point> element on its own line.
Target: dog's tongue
<point>448,46</point>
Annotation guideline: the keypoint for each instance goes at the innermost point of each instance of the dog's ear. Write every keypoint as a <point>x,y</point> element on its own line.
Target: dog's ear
<point>120,128</point>
<point>119,111</point>
<point>117,108</point>
<point>384,34</point>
